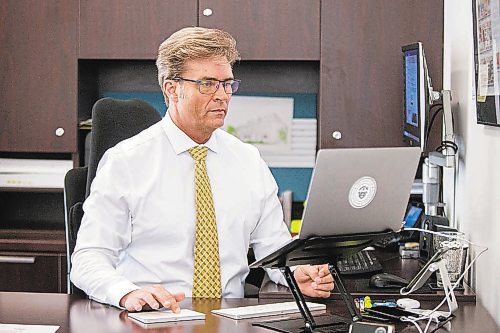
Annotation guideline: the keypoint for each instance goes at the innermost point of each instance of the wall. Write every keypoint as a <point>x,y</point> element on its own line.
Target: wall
<point>477,207</point>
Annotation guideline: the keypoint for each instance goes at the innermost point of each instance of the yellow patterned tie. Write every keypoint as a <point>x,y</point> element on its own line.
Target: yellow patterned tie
<point>206,278</point>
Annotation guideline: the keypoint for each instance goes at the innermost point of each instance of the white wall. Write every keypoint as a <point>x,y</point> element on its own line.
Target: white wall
<point>477,207</point>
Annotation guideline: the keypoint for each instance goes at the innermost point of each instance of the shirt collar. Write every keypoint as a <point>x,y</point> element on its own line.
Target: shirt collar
<point>180,141</point>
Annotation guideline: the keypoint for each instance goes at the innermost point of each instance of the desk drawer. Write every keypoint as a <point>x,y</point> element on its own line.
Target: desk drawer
<point>33,272</point>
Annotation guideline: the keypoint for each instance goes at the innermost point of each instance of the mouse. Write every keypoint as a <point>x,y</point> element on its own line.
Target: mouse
<point>386,280</point>
<point>408,303</point>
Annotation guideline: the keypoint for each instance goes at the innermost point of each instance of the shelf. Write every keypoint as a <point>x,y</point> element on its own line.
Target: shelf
<point>32,240</point>
<point>31,189</point>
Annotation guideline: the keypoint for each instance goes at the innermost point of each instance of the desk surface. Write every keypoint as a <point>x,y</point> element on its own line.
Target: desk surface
<point>74,315</point>
<point>358,285</point>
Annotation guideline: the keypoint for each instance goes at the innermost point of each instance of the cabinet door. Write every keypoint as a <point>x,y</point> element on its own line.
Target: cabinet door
<point>267,29</point>
<point>131,29</point>
<point>38,86</point>
<point>33,272</point>
<point>361,73</point>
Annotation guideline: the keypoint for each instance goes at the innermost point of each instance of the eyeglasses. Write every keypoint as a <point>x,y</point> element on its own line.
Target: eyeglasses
<point>210,87</point>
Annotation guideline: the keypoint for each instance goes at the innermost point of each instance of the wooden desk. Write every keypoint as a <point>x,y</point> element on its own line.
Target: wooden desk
<point>76,315</point>
<point>358,285</point>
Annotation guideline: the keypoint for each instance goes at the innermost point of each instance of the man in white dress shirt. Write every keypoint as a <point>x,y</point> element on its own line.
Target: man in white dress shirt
<point>135,246</point>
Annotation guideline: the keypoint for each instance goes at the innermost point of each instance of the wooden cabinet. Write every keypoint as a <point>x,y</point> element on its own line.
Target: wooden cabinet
<point>267,29</point>
<point>33,261</point>
<point>38,85</point>
<point>361,71</point>
<point>131,29</point>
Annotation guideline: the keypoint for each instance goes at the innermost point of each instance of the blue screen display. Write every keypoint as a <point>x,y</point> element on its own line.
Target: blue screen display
<point>412,216</point>
<point>411,87</point>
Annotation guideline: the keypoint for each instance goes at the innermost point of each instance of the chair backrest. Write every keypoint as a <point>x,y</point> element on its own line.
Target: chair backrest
<point>75,183</point>
<point>112,121</point>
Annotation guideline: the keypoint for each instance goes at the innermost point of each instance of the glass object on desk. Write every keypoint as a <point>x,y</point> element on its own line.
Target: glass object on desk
<point>455,256</point>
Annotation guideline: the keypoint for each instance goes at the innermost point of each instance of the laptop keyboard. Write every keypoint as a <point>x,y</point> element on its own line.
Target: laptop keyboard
<point>361,263</point>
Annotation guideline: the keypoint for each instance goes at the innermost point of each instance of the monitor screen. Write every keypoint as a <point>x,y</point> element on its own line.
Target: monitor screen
<point>416,102</point>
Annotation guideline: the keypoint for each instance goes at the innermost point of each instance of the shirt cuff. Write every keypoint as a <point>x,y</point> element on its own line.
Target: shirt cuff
<point>277,277</point>
<point>118,290</point>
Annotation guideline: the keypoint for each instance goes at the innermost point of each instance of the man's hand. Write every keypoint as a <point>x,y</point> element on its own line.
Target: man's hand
<point>314,281</point>
<point>153,297</point>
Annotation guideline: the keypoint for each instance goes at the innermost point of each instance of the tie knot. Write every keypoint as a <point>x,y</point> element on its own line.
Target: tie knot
<point>199,153</point>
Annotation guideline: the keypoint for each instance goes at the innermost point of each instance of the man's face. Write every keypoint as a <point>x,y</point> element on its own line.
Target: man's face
<point>197,114</point>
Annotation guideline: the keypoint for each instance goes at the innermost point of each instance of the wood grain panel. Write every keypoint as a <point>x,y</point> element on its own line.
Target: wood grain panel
<point>361,74</point>
<point>131,29</point>
<point>46,274</point>
<point>38,84</point>
<point>268,29</point>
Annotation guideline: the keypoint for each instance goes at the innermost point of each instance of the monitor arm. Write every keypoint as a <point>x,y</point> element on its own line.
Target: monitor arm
<point>444,158</point>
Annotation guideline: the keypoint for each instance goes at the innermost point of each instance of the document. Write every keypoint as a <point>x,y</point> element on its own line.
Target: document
<point>163,316</point>
<point>15,328</point>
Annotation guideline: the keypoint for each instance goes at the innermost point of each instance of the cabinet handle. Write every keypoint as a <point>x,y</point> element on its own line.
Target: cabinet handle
<point>59,131</point>
<point>207,12</point>
<point>16,260</point>
<point>337,135</point>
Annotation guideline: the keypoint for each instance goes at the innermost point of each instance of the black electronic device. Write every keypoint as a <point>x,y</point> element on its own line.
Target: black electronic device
<point>392,314</point>
<point>386,280</point>
<point>362,327</point>
<point>412,219</point>
<point>362,262</point>
<point>432,223</point>
<point>434,287</point>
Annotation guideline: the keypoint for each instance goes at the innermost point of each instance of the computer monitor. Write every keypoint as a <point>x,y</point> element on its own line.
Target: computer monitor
<point>416,101</point>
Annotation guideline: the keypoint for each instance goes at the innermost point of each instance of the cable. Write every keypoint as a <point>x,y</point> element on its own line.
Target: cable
<point>447,144</point>
<point>431,122</point>
<point>413,321</point>
<point>447,295</point>
<point>435,105</point>
<point>442,323</point>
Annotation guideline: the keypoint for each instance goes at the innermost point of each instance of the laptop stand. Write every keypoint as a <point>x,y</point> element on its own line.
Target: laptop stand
<point>314,251</point>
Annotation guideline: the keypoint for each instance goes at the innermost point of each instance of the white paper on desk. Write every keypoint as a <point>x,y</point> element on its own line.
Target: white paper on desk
<point>15,328</point>
<point>163,316</point>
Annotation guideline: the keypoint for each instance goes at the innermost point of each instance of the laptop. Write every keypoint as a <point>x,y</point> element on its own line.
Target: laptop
<point>357,191</point>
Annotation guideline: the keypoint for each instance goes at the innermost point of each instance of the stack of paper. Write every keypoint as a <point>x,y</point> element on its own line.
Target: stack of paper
<point>33,173</point>
<point>163,316</point>
<point>18,328</point>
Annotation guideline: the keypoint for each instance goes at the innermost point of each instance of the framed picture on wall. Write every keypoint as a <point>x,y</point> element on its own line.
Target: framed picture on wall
<point>487,60</point>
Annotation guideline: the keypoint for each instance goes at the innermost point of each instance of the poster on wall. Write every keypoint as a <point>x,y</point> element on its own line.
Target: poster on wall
<point>487,58</point>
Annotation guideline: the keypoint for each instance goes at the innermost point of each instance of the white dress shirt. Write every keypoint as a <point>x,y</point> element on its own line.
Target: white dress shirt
<point>139,223</point>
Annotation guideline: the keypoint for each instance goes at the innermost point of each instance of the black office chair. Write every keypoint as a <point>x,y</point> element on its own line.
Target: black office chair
<point>112,121</point>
